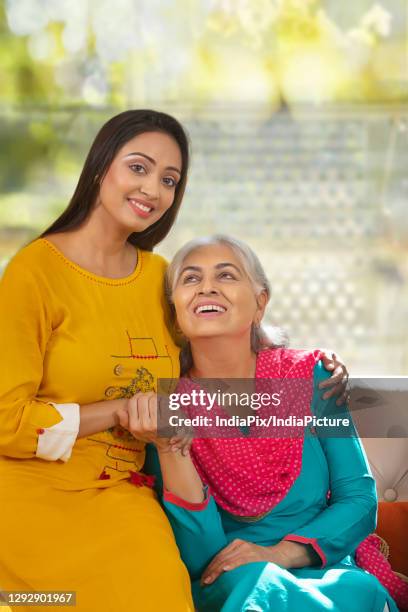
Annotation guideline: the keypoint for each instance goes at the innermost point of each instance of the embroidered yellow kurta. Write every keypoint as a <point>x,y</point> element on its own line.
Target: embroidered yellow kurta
<point>69,336</point>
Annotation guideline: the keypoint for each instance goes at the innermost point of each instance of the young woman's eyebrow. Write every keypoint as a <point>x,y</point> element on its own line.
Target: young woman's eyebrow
<point>152,161</point>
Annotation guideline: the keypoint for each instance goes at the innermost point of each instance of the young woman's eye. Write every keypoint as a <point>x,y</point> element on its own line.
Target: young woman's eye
<point>169,181</point>
<point>138,168</point>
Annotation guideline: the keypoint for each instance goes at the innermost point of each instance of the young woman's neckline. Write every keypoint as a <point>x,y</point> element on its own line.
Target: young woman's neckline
<point>107,280</point>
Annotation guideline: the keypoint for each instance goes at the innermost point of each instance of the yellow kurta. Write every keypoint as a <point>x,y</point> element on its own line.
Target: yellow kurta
<point>70,336</point>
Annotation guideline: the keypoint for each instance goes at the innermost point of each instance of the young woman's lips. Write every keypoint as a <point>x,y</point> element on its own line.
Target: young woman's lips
<point>141,209</point>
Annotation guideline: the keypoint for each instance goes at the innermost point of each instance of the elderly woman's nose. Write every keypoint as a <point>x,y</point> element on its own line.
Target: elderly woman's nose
<point>207,286</point>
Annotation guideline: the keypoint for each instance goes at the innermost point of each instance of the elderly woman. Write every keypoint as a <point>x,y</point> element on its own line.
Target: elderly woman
<point>261,523</point>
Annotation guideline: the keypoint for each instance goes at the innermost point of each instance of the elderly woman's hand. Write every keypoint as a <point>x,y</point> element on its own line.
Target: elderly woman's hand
<point>139,417</point>
<point>337,383</point>
<point>286,554</point>
<point>240,552</point>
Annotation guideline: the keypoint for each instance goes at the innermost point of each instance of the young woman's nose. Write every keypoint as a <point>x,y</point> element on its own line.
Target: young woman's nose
<point>150,187</point>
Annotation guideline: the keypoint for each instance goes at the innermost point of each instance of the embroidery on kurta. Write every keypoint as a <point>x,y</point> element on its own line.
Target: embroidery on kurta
<point>142,382</point>
<point>123,451</point>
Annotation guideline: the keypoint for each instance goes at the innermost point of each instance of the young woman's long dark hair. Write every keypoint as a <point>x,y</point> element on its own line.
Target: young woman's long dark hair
<point>112,136</point>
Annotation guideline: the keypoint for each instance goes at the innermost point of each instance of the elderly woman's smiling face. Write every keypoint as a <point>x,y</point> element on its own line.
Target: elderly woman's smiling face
<point>213,295</point>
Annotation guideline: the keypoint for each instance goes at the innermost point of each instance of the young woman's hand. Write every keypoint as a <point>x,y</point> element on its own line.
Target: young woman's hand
<point>140,416</point>
<point>337,383</point>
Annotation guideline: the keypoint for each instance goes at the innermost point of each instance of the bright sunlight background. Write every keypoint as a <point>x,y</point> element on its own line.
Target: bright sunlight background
<point>298,116</point>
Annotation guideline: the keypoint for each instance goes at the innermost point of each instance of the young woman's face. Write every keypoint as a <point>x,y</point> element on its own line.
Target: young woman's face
<point>140,183</point>
<point>214,297</point>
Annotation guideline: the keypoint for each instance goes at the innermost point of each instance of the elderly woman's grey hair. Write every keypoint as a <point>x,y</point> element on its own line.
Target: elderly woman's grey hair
<point>260,338</point>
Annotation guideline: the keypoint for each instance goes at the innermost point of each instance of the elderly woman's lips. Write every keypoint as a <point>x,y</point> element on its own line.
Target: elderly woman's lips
<point>209,310</point>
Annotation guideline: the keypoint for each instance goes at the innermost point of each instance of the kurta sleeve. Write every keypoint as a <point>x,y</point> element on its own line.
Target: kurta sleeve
<point>197,527</point>
<point>352,506</point>
<point>25,329</point>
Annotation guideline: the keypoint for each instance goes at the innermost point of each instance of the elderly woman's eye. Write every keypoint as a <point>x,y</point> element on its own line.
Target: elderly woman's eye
<point>227,275</point>
<point>190,278</point>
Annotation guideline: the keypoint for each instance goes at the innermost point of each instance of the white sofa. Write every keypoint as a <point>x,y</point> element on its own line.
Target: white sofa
<point>379,407</point>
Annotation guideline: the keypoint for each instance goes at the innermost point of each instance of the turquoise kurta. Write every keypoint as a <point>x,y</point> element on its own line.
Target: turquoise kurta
<point>334,527</point>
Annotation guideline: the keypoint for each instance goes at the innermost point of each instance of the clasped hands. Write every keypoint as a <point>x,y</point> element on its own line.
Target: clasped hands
<point>139,415</point>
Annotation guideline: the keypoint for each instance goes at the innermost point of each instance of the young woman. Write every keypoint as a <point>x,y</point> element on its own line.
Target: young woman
<point>263,523</point>
<point>82,319</point>
<point>83,329</point>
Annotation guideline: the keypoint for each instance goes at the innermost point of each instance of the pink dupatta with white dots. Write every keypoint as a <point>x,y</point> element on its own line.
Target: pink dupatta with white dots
<point>249,474</point>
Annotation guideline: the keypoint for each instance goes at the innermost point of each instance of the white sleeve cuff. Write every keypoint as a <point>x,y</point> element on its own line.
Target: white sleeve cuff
<point>56,442</point>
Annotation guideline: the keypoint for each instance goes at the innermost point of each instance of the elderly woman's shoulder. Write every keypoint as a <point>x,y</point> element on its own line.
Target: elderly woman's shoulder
<point>292,354</point>
<point>289,361</point>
